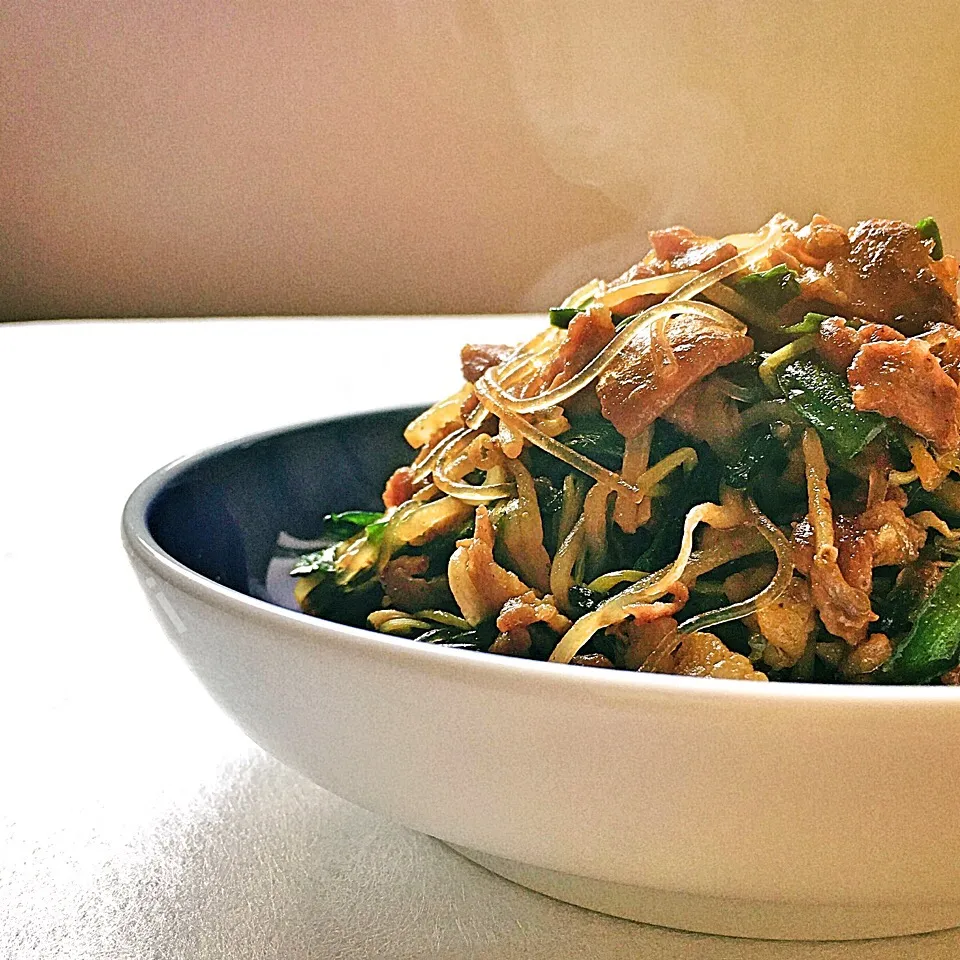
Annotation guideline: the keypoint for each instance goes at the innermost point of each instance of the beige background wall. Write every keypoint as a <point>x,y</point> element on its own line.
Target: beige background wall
<point>210,157</point>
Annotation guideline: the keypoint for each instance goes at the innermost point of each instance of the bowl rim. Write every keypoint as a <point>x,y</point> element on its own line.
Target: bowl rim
<point>568,679</point>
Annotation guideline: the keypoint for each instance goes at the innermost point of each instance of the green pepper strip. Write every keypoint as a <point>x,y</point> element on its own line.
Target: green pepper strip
<point>561,316</point>
<point>809,324</point>
<point>930,649</point>
<point>824,400</point>
<point>930,231</point>
<point>771,365</point>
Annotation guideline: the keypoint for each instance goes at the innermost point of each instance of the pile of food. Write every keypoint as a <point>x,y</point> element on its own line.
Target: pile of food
<point>736,460</point>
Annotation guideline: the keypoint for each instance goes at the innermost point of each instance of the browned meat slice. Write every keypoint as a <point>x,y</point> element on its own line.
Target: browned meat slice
<point>399,488</point>
<point>677,248</point>
<point>477,358</point>
<point>479,584</point>
<point>843,608</point>
<point>525,610</point>
<point>863,660</point>
<point>704,256</point>
<point>406,588</point>
<point>520,613</point>
<point>641,638</point>
<point>672,242</point>
<point>838,344</point>
<point>639,271</point>
<point>904,380</point>
<point>656,647</point>
<point>587,335</point>
<point>707,413</point>
<point>591,660</point>
<point>944,341</point>
<point>634,390</point>
<point>816,243</point>
<point>514,643</point>
<point>672,249</point>
<point>952,677</point>
<point>705,655</point>
<point>895,538</point>
<point>889,276</point>
<point>627,308</point>
<point>787,624</point>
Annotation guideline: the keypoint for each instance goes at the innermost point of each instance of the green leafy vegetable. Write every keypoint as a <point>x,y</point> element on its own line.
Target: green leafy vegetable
<point>682,491</point>
<point>343,525</point>
<point>763,457</point>
<point>351,605</point>
<point>929,230</point>
<point>375,531</point>
<point>931,647</point>
<point>771,289</point>
<point>809,324</point>
<point>596,438</point>
<point>824,400</point>
<point>477,638</point>
<point>561,316</point>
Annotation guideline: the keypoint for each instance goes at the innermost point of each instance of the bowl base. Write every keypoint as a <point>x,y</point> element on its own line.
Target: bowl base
<point>755,919</point>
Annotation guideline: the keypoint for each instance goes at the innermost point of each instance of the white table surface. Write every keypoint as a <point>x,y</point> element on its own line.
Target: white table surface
<point>135,821</point>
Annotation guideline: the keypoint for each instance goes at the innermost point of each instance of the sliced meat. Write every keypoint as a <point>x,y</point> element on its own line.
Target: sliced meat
<point>591,660</point>
<point>406,588</point>
<point>672,250</point>
<point>889,276</point>
<point>895,538</point>
<point>904,380</point>
<point>787,624</point>
<point>816,243</point>
<point>656,647</point>
<point>707,413</point>
<point>587,335</point>
<point>705,256</point>
<point>944,341</point>
<point>843,608</point>
<point>952,677</point>
<point>513,643</point>
<point>677,248</point>
<point>838,343</point>
<point>639,271</point>
<point>528,609</point>
<point>399,488</point>
<point>479,584</point>
<point>641,638</point>
<point>477,358</point>
<point>863,660</point>
<point>672,242</point>
<point>633,391</point>
<point>705,655</point>
<point>627,308</point>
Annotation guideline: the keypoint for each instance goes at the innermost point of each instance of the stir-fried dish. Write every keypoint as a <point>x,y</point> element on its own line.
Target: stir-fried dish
<point>739,459</point>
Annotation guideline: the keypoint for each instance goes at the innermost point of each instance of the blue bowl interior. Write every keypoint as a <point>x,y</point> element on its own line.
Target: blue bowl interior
<point>241,514</point>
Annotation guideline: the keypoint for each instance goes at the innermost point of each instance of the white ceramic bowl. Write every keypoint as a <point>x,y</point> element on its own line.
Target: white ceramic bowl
<point>762,810</point>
